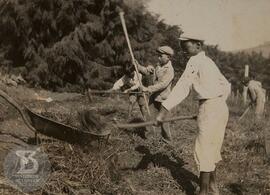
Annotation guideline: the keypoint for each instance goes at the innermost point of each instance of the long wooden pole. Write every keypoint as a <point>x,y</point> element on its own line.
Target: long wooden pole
<point>112,92</point>
<point>149,123</point>
<point>244,113</point>
<point>245,88</point>
<point>121,14</point>
<point>19,108</point>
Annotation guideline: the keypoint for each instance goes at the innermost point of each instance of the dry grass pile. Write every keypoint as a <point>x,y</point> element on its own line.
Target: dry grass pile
<point>90,120</point>
<point>137,161</point>
<point>89,169</point>
<point>65,118</point>
<point>86,170</point>
<point>85,116</point>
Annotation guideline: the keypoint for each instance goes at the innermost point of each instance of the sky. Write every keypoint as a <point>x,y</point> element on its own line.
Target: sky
<point>230,24</point>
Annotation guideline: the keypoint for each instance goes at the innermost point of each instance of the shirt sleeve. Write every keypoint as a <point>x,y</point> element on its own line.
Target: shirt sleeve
<point>164,81</point>
<point>226,86</point>
<point>143,70</point>
<point>136,81</point>
<point>182,87</point>
<point>118,84</point>
<point>252,93</point>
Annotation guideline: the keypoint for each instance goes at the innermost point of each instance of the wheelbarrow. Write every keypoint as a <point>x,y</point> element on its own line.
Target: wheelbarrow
<point>46,126</point>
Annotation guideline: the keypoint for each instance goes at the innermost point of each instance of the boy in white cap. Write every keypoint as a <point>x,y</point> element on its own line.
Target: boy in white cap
<point>257,95</point>
<point>203,76</point>
<point>161,88</point>
<point>130,83</point>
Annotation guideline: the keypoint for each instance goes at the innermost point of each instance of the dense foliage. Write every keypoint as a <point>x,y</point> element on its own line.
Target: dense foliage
<point>62,45</point>
<point>67,43</point>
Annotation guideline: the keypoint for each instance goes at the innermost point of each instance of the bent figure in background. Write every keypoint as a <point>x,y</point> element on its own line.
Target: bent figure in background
<point>257,96</point>
<point>130,83</point>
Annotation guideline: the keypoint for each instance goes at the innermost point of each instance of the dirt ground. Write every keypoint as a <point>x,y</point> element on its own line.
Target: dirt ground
<point>135,161</point>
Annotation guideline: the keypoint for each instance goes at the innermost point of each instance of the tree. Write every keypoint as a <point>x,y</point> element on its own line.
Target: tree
<point>61,44</point>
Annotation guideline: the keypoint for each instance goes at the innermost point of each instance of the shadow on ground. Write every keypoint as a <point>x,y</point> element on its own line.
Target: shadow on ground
<point>183,177</point>
<point>141,131</point>
<point>236,188</point>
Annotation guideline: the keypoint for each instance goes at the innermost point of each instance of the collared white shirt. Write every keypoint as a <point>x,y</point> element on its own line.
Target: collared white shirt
<point>124,80</point>
<point>203,76</point>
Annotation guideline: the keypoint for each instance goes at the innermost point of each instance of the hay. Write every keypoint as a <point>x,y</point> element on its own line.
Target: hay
<point>90,120</point>
<point>85,120</point>
<point>76,169</point>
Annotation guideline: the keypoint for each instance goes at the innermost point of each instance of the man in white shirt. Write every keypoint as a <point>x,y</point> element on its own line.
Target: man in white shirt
<point>257,96</point>
<point>203,76</point>
<point>130,83</point>
<point>163,75</point>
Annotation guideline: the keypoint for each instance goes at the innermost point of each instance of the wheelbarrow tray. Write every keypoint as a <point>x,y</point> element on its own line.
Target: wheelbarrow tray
<point>56,129</point>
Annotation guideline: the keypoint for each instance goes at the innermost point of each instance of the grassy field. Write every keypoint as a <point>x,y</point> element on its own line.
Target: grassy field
<point>136,161</point>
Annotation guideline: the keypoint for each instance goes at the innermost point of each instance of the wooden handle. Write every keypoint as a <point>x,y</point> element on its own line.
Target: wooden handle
<point>149,123</point>
<point>112,92</point>
<point>245,112</point>
<point>19,108</point>
<point>121,14</point>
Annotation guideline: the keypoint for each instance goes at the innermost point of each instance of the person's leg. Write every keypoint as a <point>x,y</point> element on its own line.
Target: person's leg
<point>132,101</point>
<point>209,141</point>
<point>204,183</point>
<point>165,127</point>
<point>213,188</point>
<point>142,110</point>
<point>152,108</point>
<point>259,109</point>
<point>154,113</point>
<point>130,108</point>
<point>142,106</point>
<point>166,131</point>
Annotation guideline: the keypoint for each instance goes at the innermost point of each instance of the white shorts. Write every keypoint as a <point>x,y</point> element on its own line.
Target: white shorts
<point>212,120</point>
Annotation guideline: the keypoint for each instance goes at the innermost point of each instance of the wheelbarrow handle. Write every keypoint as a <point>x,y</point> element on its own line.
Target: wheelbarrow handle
<point>21,110</point>
<point>149,123</point>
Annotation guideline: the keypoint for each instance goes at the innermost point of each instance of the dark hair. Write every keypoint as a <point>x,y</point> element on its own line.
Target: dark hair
<point>245,80</point>
<point>128,70</point>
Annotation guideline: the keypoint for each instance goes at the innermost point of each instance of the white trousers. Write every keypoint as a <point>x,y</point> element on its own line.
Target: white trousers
<point>212,120</point>
<point>259,109</point>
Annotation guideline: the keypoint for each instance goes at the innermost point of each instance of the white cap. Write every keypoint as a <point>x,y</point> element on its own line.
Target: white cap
<point>189,36</point>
